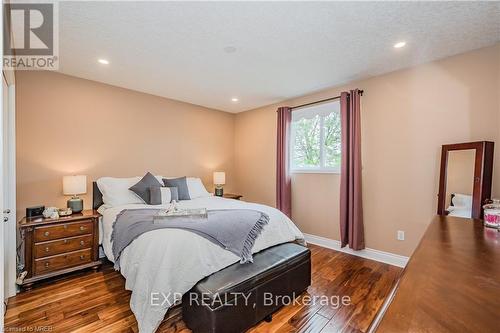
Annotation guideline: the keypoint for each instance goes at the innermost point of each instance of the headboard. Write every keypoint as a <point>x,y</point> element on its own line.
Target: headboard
<point>96,196</point>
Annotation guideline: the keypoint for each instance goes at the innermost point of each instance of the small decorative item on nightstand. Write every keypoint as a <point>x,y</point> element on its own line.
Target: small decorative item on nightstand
<point>51,213</point>
<point>219,181</point>
<point>74,185</point>
<point>36,211</point>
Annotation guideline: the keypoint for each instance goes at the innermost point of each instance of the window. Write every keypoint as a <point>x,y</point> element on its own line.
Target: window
<point>315,138</point>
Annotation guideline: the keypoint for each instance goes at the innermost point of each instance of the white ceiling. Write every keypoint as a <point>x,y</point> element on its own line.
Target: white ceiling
<point>283,49</point>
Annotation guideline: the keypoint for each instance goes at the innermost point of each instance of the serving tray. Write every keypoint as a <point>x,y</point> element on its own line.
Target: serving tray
<point>165,215</point>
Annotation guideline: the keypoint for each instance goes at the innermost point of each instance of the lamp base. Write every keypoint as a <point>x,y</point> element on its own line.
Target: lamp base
<point>76,204</point>
<point>219,191</point>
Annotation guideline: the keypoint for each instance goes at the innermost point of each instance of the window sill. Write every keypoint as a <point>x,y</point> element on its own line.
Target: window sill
<point>316,171</point>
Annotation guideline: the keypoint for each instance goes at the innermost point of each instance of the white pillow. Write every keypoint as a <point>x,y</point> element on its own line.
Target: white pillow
<point>462,200</point>
<point>196,188</point>
<point>166,195</point>
<point>115,191</point>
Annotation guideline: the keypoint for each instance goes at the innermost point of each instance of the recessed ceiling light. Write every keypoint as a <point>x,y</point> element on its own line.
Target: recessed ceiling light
<point>234,99</point>
<point>399,45</point>
<point>103,61</point>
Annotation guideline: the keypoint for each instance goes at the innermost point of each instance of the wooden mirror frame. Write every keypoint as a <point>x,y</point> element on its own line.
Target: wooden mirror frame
<point>483,169</point>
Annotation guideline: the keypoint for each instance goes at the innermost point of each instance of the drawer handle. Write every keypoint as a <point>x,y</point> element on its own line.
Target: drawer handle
<point>82,257</point>
<point>82,243</point>
<point>82,228</point>
<point>46,234</point>
<point>65,241</point>
<point>65,226</point>
<point>47,249</point>
<point>47,264</point>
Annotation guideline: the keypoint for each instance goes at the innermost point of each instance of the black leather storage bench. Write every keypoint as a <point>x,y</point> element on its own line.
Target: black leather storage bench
<point>239,296</point>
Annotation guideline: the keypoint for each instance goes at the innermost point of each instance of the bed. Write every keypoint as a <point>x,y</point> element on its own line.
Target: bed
<point>167,263</point>
<point>460,205</point>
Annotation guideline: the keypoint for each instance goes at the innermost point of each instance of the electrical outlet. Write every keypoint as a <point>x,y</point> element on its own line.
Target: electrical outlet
<point>401,235</point>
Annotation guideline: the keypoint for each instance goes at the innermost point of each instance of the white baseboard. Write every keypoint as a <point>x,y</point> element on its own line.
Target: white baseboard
<point>385,257</point>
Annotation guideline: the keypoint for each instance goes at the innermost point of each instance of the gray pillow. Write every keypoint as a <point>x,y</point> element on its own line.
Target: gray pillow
<point>142,187</point>
<point>181,184</point>
<point>174,193</point>
<point>155,193</point>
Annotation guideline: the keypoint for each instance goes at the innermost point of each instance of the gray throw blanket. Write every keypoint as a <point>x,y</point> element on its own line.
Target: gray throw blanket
<point>233,229</point>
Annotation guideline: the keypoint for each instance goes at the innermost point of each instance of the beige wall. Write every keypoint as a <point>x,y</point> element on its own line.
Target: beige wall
<point>323,207</point>
<point>406,116</point>
<point>66,125</point>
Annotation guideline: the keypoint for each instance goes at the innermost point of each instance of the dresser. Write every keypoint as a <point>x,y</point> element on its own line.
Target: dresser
<point>58,246</point>
<point>451,283</point>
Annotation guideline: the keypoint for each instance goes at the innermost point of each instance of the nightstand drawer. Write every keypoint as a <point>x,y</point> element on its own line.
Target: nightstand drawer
<point>63,230</point>
<point>51,248</point>
<point>62,261</point>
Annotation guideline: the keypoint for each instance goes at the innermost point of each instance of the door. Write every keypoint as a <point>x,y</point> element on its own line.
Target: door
<point>2,233</point>
<point>2,283</point>
<point>8,220</point>
<point>7,194</point>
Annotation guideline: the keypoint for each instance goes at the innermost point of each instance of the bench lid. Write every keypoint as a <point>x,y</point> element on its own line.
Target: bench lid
<point>266,265</point>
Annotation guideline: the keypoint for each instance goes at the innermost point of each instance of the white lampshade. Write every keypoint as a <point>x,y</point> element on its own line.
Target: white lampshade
<point>219,178</point>
<point>73,185</point>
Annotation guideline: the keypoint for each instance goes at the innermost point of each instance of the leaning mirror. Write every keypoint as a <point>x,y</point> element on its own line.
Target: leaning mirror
<point>465,178</point>
<point>460,182</point>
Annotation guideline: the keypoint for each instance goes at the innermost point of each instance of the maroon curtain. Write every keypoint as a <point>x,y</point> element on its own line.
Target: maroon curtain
<point>351,205</point>
<point>283,180</point>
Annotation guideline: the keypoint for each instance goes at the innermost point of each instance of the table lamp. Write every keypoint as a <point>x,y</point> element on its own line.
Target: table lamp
<point>74,185</point>
<point>219,180</point>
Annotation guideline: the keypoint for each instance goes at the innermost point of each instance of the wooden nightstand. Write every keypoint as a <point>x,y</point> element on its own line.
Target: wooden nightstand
<point>232,196</point>
<point>57,246</point>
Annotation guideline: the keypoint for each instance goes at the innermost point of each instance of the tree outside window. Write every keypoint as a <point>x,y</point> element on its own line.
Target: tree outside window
<point>316,138</point>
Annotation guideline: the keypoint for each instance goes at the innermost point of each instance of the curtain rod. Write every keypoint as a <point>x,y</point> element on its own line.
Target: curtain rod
<point>321,101</point>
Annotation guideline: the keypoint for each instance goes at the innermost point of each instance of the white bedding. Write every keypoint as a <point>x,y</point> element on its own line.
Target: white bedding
<point>459,211</point>
<point>461,205</point>
<point>172,261</point>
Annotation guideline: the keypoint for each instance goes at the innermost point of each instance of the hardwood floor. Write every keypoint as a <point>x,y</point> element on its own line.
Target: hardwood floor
<point>98,302</point>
